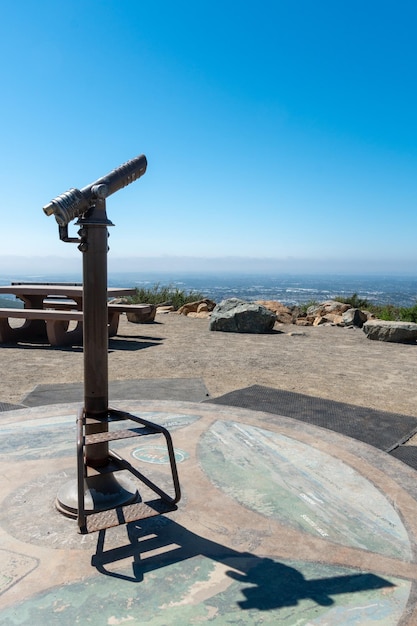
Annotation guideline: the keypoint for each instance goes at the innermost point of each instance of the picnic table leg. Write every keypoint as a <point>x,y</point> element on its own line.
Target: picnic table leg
<point>59,335</point>
<point>30,329</point>
<point>7,334</point>
<point>33,328</point>
<point>114,317</point>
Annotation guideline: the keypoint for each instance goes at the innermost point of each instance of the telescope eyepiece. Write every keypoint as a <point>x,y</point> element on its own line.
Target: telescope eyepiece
<point>49,209</point>
<point>67,206</point>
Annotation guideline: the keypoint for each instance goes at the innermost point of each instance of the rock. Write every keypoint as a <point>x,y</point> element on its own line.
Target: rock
<point>399,332</point>
<point>320,320</point>
<point>239,316</point>
<point>330,319</point>
<point>200,314</point>
<point>304,321</point>
<point>334,312</point>
<point>354,317</point>
<point>329,306</point>
<point>335,319</point>
<point>166,308</point>
<point>139,317</point>
<point>285,314</point>
<point>369,315</point>
<point>272,305</point>
<point>285,318</point>
<point>193,307</point>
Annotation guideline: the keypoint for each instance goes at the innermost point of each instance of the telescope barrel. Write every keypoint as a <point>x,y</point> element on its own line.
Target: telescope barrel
<point>119,177</point>
<point>75,202</point>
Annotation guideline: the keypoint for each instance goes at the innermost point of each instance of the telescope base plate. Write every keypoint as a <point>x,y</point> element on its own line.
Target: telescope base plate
<point>102,492</point>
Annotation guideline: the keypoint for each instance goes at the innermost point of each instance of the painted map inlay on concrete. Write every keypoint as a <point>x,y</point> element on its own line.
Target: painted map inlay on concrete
<point>200,590</point>
<point>276,526</point>
<point>281,477</point>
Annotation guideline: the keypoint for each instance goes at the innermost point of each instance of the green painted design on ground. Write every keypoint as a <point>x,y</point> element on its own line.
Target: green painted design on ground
<point>15,566</point>
<point>54,437</point>
<point>247,590</point>
<point>158,454</point>
<point>285,479</point>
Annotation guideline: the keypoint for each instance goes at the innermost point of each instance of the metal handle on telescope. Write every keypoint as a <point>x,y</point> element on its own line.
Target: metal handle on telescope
<point>75,202</point>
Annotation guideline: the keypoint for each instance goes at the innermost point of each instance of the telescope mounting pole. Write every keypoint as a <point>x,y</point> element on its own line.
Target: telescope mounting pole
<point>94,251</point>
<point>103,489</point>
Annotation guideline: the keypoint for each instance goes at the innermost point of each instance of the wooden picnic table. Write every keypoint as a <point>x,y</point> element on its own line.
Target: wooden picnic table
<point>33,296</point>
<point>44,319</point>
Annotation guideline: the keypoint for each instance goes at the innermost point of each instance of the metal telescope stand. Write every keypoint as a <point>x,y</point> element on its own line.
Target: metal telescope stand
<point>103,496</point>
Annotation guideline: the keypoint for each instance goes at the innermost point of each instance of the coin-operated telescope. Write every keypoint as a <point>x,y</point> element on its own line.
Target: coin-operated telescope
<point>102,496</point>
<point>75,203</point>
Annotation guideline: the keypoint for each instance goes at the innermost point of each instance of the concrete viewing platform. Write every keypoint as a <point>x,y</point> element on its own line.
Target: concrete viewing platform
<point>280,522</point>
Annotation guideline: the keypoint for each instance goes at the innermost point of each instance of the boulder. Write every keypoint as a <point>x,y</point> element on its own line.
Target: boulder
<point>320,320</point>
<point>203,311</point>
<point>199,314</point>
<point>335,319</point>
<point>285,314</point>
<point>334,313</point>
<point>197,307</point>
<point>139,317</point>
<point>239,316</point>
<point>285,318</point>
<point>330,319</point>
<point>165,308</point>
<point>304,321</point>
<point>354,317</point>
<point>329,306</point>
<point>381,330</point>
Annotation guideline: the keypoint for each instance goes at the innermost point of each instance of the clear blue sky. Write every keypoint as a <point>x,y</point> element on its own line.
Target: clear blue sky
<point>277,130</point>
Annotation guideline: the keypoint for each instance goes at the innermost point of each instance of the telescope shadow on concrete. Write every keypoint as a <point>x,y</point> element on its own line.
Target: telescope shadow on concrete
<point>271,584</point>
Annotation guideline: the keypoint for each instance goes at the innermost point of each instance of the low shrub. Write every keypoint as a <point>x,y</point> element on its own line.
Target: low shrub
<point>306,305</point>
<point>354,301</point>
<point>388,312</point>
<point>164,294</point>
<point>408,314</point>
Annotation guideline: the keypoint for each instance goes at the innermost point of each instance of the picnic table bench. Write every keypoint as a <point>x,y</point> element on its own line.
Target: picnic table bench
<point>114,310</point>
<point>56,323</point>
<point>49,309</point>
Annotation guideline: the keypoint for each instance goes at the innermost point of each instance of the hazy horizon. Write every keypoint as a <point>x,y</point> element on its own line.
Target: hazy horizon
<point>53,265</point>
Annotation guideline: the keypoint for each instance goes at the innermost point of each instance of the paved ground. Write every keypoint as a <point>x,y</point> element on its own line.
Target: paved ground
<point>277,525</point>
<point>329,362</point>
